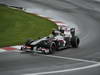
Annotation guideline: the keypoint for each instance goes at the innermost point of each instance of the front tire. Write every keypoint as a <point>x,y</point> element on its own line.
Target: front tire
<point>52,49</point>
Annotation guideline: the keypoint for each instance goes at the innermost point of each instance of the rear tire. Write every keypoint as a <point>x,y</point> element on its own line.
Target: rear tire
<point>75,42</point>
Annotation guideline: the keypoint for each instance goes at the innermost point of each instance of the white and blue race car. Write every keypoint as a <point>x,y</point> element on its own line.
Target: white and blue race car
<point>50,44</point>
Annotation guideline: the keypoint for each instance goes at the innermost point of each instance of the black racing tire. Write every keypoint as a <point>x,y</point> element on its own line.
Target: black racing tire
<point>52,49</point>
<point>75,42</point>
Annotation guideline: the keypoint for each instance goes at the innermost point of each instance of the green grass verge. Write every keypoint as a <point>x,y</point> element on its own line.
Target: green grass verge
<point>16,26</point>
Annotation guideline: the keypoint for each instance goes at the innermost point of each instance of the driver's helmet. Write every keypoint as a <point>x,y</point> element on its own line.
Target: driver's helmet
<point>48,37</point>
<point>55,32</point>
<point>72,30</point>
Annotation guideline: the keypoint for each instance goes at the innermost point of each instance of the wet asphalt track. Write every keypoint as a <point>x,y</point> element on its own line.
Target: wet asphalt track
<point>85,14</point>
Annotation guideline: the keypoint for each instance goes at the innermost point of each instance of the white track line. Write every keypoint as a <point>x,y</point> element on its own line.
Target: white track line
<point>75,59</point>
<point>95,64</point>
<point>65,70</point>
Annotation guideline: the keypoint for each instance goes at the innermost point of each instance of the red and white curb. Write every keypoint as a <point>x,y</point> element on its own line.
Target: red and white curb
<point>10,48</point>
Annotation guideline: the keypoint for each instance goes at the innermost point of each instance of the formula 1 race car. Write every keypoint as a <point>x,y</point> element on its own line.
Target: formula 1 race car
<point>48,45</point>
